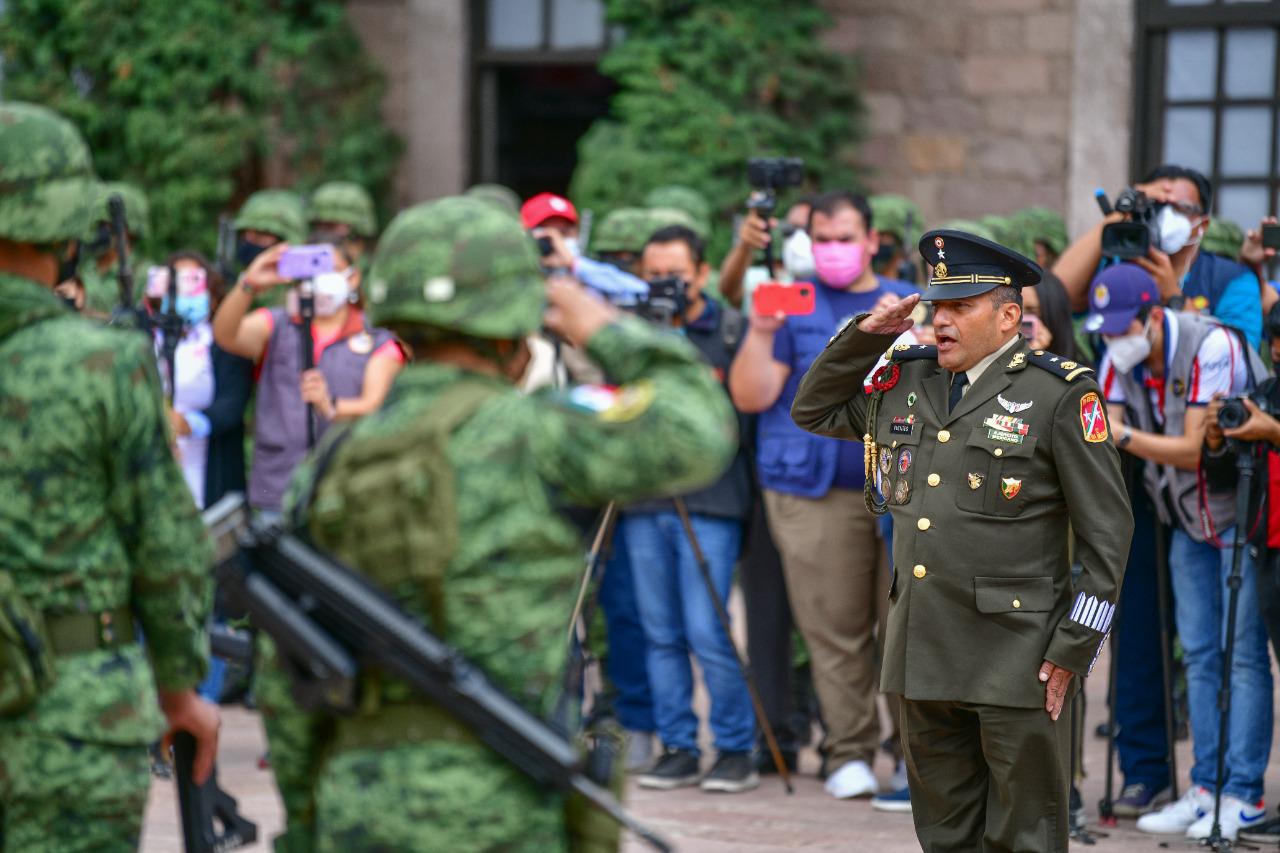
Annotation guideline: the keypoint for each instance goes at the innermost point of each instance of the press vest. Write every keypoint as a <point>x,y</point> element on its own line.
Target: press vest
<point>280,420</point>
<point>1174,491</point>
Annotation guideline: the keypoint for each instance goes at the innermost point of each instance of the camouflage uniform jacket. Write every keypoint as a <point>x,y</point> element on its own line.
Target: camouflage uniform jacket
<point>509,587</point>
<point>96,515</point>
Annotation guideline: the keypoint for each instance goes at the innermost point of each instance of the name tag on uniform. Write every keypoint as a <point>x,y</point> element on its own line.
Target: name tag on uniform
<point>1006,428</point>
<point>903,426</point>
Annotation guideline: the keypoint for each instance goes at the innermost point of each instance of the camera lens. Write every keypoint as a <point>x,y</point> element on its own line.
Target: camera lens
<point>1232,414</point>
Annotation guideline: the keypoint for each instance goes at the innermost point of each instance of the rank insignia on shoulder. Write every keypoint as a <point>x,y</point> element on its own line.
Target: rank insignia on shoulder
<point>1019,358</point>
<point>1067,370</point>
<point>912,352</point>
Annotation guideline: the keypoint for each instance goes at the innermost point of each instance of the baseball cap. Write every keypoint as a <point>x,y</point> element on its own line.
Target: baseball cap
<point>543,206</point>
<point>1116,295</point>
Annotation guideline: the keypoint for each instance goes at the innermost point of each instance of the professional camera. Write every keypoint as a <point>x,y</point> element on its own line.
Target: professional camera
<point>668,298</point>
<point>1134,237</point>
<point>1233,413</point>
<point>767,175</point>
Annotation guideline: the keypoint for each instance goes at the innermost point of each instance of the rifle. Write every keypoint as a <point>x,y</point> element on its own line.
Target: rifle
<point>126,313</point>
<point>201,805</point>
<point>170,325</point>
<point>225,255</point>
<point>307,313</point>
<point>325,618</point>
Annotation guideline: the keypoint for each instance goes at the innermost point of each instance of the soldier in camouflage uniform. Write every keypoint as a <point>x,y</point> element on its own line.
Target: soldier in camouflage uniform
<point>898,221</point>
<point>344,208</point>
<point>683,198</point>
<point>496,195</point>
<point>98,532</point>
<point>621,235</point>
<point>1041,233</point>
<point>268,217</point>
<point>493,570</point>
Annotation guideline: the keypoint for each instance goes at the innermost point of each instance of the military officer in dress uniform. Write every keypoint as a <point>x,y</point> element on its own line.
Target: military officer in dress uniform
<point>989,455</point>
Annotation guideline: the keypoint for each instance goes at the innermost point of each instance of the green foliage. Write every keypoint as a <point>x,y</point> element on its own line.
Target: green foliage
<point>189,99</point>
<point>708,84</point>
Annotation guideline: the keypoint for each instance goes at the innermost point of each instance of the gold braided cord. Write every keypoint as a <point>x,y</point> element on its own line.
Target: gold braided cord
<point>870,457</point>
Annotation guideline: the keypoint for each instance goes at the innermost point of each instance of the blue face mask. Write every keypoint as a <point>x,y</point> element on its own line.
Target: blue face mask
<point>192,309</point>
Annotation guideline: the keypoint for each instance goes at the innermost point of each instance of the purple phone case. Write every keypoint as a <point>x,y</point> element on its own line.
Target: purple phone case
<point>306,261</point>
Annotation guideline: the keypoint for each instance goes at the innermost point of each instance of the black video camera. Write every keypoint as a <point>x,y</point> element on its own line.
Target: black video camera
<point>667,299</point>
<point>767,175</point>
<point>1134,237</point>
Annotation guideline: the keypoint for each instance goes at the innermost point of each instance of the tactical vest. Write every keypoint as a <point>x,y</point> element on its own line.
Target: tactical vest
<point>1174,491</point>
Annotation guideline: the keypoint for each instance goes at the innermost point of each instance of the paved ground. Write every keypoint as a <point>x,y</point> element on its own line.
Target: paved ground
<point>764,820</point>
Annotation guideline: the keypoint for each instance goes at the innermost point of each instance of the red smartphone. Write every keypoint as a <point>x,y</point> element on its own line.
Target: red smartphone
<point>793,300</point>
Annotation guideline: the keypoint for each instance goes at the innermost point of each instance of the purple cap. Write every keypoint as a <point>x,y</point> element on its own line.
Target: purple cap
<point>1116,295</point>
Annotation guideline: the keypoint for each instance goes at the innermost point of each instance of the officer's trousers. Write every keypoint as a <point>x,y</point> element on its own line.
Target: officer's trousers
<point>987,778</point>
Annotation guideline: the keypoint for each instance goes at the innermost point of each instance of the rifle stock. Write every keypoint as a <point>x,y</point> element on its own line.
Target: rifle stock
<point>304,598</point>
<point>203,808</point>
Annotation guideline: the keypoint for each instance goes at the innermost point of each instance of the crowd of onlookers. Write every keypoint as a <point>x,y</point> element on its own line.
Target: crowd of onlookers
<point>1172,333</point>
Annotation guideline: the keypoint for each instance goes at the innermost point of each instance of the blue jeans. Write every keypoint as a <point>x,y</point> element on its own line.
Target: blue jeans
<point>628,648</point>
<point>1199,580</point>
<point>679,617</point>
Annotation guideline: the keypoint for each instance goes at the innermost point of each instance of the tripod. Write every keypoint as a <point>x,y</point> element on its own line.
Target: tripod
<point>577,628</point>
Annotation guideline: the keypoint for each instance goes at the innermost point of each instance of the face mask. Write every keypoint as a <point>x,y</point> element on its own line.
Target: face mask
<point>882,255</point>
<point>1175,229</point>
<point>332,290</point>
<point>246,252</point>
<point>839,264</point>
<point>1128,352</point>
<point>797,254</point>
<point>193,310</point>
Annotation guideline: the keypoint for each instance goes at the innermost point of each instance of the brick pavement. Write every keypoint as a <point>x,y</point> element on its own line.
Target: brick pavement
<point>763,820</point>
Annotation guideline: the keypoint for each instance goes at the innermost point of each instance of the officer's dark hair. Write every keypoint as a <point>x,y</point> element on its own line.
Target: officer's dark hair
<point>833,201</point>
<point>680,234</point>
<point>1004,294</point>
<point>1169,171</point>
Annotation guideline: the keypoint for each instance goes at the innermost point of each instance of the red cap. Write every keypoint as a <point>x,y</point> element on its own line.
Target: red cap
<point>543,206</point>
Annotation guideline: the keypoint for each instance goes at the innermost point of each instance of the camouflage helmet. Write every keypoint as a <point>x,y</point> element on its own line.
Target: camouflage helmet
<point>971,227</point>
<point>137,212</point>
<point>345,202</point>
<point>461,264</point>
<point>496,195</point>
<point>626,229</point>
<point>1000,228</point>
<point>278,212</point>
<point>1222,237</point>
<point>1040,224</point>
<point>889,214</point>
<point>683,198</point>
<point>662,217</point>
<point>48,191</point>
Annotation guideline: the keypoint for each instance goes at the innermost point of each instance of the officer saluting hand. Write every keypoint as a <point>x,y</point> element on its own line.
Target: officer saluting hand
<point>987,467</point>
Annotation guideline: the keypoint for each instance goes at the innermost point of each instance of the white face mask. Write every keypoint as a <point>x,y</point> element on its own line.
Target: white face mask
<point>1128,352</point>
<point>797,255</point>
<point>332,290</point>
<point>1175,229</point>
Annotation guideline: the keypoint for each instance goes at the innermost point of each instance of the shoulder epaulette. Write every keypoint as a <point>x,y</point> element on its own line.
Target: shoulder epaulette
<point>1061,367</point>
<point>911,352</point>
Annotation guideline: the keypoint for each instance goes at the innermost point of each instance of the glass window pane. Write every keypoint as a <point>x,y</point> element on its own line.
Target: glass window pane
<point>1246,141</point>
<point>1188,137</point>
<point>1244,204</point>
<point>577,23</point>
<point>514,24</point>
<point>1191,67</point>
<point>1250,63</point>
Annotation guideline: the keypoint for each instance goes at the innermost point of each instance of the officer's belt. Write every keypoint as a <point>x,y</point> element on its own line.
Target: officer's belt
<point>398,723</point>
<point>77,633</point>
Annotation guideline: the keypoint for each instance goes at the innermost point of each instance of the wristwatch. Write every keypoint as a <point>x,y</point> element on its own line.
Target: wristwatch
<point>1126,435</point>
<point>1177,302</point>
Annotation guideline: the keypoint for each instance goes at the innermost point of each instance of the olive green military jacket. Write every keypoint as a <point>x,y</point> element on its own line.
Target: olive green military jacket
<point>984,500</point>
<point>95,515</point>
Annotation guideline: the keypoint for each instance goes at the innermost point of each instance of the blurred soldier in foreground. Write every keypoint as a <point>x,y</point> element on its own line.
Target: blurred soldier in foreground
<point>492,571</point>
<point>98,533</point>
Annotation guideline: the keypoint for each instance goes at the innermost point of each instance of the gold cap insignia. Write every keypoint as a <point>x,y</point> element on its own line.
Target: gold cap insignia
<point>940,271</point>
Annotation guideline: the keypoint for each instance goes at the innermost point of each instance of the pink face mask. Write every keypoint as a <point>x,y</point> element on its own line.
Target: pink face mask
<point>839,264</point>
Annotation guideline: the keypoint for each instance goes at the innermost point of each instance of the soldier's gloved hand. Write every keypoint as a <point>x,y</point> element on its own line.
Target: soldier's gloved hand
<point>263,273</point>
<point>890,318</point>
<point>187,712</point>
<point>1055,680</point>
<point>573,313</point>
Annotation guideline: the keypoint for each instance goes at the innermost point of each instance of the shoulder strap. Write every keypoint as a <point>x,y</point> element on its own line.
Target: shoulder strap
<point>911,352</point>
<point>1064,369</point>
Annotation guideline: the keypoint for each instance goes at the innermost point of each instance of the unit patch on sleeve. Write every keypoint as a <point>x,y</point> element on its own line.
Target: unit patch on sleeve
<point>1093,420</point>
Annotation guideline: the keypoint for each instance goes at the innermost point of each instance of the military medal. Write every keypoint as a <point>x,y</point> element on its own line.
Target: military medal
<point>1009,487</point>
<point>1013,408</point>
<point>902,492</point>
<point>975,481</point>
<point>911,399</point>
<point>904,460</point>
<point>886,461</point>
<point>1006,428</point>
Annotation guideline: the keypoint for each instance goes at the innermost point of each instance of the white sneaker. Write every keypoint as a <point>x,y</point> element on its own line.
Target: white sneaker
<point>1236,815</point>
<point>899,779</point>
<point>853,779</point>
<point>1180,814</point>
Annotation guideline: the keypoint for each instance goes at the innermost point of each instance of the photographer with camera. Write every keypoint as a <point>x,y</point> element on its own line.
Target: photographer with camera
<point>1161,370</point>
<point>832,553</point>
<point>677,615</point>
<point>1162,222</point>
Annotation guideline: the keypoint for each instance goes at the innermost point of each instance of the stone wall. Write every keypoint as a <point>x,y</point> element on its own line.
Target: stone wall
<point>969,101</point>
